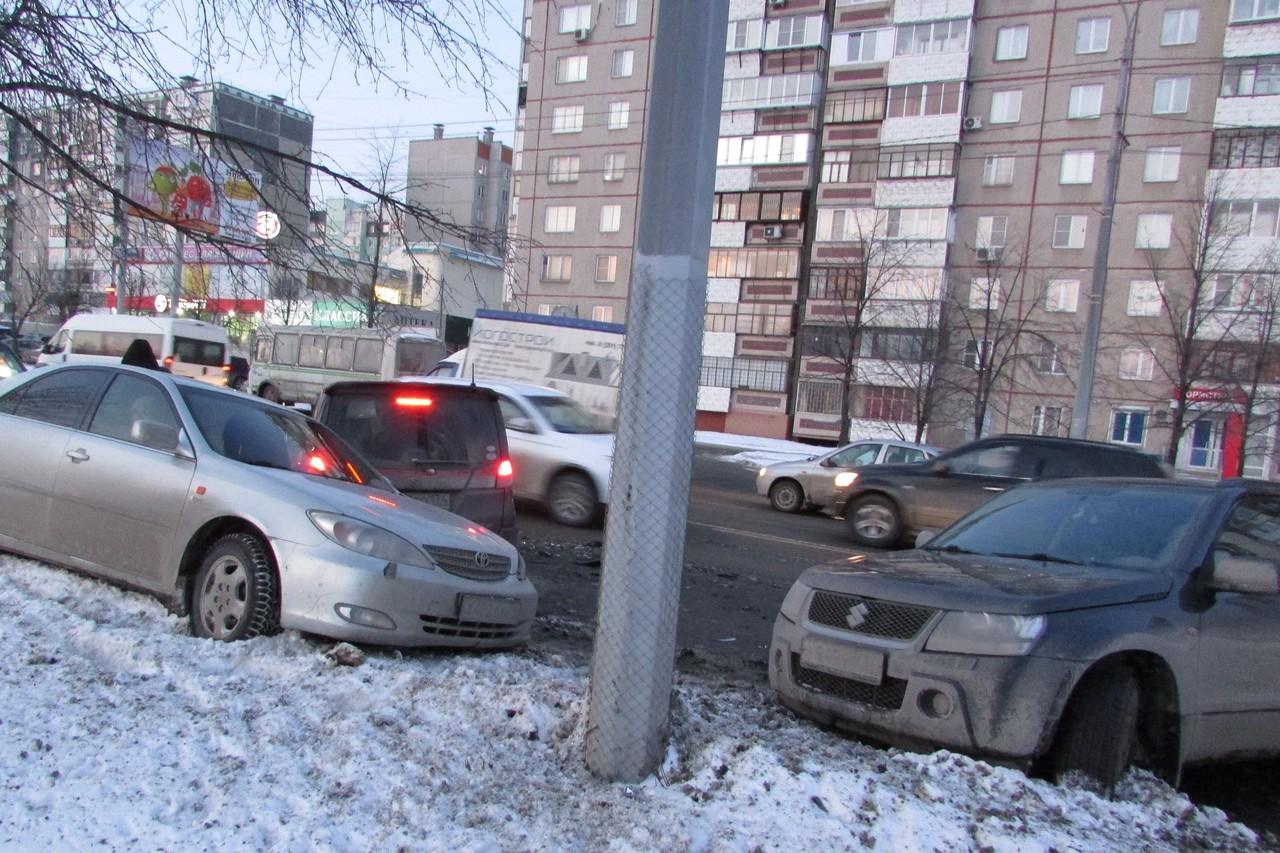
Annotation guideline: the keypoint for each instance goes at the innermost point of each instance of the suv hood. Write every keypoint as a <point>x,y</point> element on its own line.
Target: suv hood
<point>987,584</point>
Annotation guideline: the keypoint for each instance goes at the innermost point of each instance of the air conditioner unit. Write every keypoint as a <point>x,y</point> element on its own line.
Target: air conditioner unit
<point>989,254</point>
<point>582,33</point>
<point>773,232</point>
<point>972,123</point>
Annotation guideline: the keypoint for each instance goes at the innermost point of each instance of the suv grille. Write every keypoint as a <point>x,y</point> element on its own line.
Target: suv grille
<point>885,696</point>
<point>467,564</point>
<point>879,618</point>
<point>444,626</point>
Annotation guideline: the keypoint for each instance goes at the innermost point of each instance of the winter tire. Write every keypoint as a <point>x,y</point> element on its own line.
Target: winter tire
<point>1098,731</point>
<point>874,522</point>
<point>236,592</point>
<point>572,500</point>
<point>786,496</point>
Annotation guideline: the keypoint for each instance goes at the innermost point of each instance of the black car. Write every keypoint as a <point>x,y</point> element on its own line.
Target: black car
<point>886,504</point>
<point>445,445</point>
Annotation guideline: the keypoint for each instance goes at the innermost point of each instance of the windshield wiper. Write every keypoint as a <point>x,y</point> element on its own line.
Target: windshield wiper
<point>950,549</point>
<point>1041,557</point>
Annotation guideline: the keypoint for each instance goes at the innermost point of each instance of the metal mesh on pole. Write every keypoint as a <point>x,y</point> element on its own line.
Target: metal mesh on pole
<point>633,662</point>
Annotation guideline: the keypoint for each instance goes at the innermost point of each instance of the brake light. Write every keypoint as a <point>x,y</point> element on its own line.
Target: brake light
<point>506,470</point>
<point>414,402</point>
<point>317,463</point>
<point>226,368</point>
<point>168,361</point>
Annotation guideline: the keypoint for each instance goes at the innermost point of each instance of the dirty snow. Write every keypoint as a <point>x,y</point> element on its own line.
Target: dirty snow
<point>754,451</point>
<point>120,731</point>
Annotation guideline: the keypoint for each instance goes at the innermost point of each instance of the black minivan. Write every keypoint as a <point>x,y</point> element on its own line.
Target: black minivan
<point>442,444</point>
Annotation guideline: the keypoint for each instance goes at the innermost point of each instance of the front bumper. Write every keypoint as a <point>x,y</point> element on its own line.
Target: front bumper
<point>424,604</point>
<point>1004,708</point>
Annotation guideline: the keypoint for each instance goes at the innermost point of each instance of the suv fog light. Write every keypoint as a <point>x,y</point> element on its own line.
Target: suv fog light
<point>934,703</point>
<point>364,617</point>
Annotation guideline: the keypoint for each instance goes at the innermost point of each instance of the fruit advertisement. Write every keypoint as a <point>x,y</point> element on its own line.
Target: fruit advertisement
<point>172,184</point>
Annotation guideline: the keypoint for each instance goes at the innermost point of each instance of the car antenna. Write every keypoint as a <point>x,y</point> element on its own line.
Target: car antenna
<point>473,374</point>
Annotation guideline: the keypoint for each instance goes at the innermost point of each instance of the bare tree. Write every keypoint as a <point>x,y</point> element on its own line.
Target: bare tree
<point>922,371</point>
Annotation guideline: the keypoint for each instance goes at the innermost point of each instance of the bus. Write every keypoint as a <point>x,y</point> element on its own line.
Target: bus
<point>191,348</point>
<point>293,364</point>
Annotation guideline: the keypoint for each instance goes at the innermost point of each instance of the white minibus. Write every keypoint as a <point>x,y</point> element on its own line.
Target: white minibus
<point>191,348</point>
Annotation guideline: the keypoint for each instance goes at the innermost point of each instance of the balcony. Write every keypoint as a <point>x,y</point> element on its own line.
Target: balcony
<point>1255,111</point>
<point>928,68</point>
<point>911,11</point>
<point>1250,39</point>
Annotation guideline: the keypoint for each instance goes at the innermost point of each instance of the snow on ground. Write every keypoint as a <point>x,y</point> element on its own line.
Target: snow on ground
<point>120,731</point>
<point>757,452</point>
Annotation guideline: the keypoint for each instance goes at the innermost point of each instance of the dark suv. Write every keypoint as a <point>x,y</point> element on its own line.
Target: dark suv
<point>445,445</point>
<point>888,503</point>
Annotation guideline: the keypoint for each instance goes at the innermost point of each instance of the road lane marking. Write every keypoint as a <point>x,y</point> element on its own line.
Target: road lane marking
<point>736,532</point>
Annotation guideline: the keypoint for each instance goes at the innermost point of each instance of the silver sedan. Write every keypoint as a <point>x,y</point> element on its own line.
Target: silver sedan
<point>793,486</point>
<point>246,515</point>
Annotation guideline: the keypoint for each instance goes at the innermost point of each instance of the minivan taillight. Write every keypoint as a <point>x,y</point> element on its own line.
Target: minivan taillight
<point>506,471</point>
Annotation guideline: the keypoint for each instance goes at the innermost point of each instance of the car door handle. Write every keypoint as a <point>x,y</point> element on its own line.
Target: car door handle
<point>78,455</point>
<point>993,488</point>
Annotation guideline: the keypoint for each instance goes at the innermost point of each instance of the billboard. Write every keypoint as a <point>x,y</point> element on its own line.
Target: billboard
<point>169,183</point>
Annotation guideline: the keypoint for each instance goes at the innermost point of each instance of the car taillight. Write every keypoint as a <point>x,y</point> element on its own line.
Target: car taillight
<point>226,368</point>
<point>168,361</point>
<point>506,471</point>
<point>414,402</point>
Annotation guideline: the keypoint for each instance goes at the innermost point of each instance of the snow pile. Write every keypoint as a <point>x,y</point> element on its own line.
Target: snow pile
<point>121,731</point>
<point>757,452</point>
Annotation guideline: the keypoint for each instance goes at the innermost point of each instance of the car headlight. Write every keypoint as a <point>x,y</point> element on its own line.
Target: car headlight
<point>763,472</point>
<point>986,633</point>
<point>794,602</point>
<point>845,479</point>
<point>369,539</point>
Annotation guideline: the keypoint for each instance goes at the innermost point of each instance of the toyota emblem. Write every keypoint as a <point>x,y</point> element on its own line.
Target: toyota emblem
<point>482,560</point>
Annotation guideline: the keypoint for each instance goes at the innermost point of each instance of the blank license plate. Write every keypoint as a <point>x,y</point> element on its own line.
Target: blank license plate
<point>489,608</point>
<point>865,665</point>
<point>440,499</point>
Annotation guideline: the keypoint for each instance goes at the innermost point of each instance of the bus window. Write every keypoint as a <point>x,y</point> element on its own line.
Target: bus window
<point>341,353</point>
<point>415,357</point>
<point>368,355</point>
<point>262,349</point>
<point>311,351</point>
<point>286,351</point>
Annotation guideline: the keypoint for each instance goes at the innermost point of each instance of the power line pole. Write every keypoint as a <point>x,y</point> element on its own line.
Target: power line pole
<point>1097,294</point>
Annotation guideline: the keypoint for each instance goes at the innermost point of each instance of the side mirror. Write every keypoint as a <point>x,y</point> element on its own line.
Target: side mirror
<point>48,349</point>
<point>924,537</point>
<point>521,425</point>
<point>939,467</point>
<point>156,435</point>
<point>1245,574</point>
<point>826,463</point>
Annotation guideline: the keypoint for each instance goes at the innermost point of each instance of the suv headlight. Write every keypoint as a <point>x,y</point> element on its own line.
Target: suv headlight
<point>369,539</point>
<point>845,479</point>
<point>794,602</point>
<point>986,633</point>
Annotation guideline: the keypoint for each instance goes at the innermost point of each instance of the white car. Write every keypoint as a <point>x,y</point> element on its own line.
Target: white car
<point>562,453</point>
<point>792,486</point>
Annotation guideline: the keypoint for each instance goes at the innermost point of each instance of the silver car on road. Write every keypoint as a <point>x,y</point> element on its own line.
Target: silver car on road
<point>247,515</point>
<point>793,486</point>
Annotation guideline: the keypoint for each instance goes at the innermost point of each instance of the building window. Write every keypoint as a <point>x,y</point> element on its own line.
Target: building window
<point>560,219</point>
<point>1252,77</point>
<point>917,161</point>
<point>1085,101</point>
<point>602,313</point>
<point>606,269</point>
<point>753,263</point>
<point>835,166</point>
<point>571,69</point>
<point>1046,359</point>
<point>619,115</point>
<point>1011,43</point>
<point>1258,218</point>
<point>1077,167</point>
<point>623,62</point>
<point>1137,363</point>
<point>770,149</point>
<point>856,106</point>
<point>793,31</point>
<point>744,35</point>
<point>819,398</point>
<point>781,90</point>
<point>1069,231</point>
<point>1062,296</point>
<point>610,218</point>
<point>1162,164</point>
<point>567,119</point>
<point>933,37</point>
<point>1254,10</point>
<point>916,223</point>
<point>839,283</point>
<point>984,294</point>
<point>1006,106</point>
<point>869,46</point>
<point>992,233</point>
<point>557,267</point>
<point>1179,27</point>
<point>557,310</point>
<point>574,18</point>
<point>757,206</point>
<point>1172,95</point>
<point>1128,427</point>
<point>925,99</point>
<point>977,354</point>
<point>615,164</point>
<point>1144,299</point>
<point>997,170</point>
<point>886,403</point>
<point>626,12</point>
<point>563,170</point>
<point>756,374</point>
<point>1048,420</point>
<point>894,344</point>
<point>1250,149</point>
<point>1092,35</point>
<point>1154,231</point>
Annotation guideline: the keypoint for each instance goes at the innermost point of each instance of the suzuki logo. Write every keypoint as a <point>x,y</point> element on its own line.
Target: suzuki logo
<point>857,614</point>
<point>482,560</point>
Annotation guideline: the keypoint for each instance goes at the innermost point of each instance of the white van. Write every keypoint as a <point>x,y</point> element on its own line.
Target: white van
<point>190,348</point>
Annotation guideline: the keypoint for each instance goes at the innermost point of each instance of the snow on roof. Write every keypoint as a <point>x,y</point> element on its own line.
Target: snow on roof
<point>121,731</point>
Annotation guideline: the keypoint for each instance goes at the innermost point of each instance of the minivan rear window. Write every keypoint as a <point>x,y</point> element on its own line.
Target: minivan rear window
<point>409,428</point>
<point>194,351</point>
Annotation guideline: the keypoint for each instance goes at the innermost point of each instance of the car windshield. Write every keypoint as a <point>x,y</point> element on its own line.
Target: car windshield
<point>1126,525</point>
<point>9,364</point>
<point>270,436</point>
<point>568,415</point>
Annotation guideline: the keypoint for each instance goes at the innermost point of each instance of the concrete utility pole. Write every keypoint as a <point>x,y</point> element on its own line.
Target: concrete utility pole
<point>633,662</point>
<point>1097,294</point>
